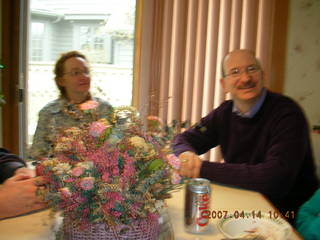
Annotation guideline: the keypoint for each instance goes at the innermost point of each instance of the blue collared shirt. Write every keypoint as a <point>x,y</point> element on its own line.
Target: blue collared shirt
<point>256,107</point>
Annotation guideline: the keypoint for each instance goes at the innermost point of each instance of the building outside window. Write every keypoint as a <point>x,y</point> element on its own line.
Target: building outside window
<point>37,39</point>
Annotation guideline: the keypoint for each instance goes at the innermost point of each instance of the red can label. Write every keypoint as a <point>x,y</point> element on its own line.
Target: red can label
<point>203,209</point>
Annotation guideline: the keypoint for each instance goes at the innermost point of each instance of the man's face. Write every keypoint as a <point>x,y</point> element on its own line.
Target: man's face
<point>243,76</point>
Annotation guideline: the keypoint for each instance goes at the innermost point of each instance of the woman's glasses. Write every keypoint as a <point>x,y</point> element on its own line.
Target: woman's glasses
<point>77,72</point>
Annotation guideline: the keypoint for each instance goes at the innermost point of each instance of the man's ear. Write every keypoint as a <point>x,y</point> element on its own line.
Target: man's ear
<point>223,85</point>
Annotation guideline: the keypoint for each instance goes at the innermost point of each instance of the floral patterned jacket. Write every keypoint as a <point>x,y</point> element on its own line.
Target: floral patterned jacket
<point>60,114</point>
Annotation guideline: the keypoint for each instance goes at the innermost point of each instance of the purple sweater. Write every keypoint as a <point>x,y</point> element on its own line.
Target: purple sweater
<point>269,153</point>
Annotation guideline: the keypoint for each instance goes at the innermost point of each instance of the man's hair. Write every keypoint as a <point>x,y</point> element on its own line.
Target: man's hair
<point>227,55</point>
<point>59,68</point>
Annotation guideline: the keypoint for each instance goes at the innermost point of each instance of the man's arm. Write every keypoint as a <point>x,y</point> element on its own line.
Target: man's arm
<point>9,163</point>
<point>199,138</point>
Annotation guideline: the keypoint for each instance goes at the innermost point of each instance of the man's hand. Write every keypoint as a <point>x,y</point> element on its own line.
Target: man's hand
<point>190,164</point>
<point>18,195</point>
<point>25,172</point>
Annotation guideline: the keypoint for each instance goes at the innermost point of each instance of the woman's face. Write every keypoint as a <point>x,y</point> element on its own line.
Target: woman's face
<point>76,77</point>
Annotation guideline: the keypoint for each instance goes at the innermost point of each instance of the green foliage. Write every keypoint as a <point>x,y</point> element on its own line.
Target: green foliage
<point>155,165</point>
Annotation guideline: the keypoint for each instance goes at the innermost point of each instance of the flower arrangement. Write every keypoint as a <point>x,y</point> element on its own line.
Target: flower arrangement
<point>110,171</point>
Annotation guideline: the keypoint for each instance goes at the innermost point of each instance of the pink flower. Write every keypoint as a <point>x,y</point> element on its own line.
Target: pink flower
<point>153,217</point>
<point>71,207</point>
<point>97,157</point>
<point>129,169</point>
<point>40,170</point>
<point>87,183</point>
<point>173,161</point>
<point>78,198</point>
<point>65,192</point>
<point>88,105</point>
<point>77,171</point>
<point>97,128</point>
<point>116,213</point>
<point>105,176</point>
<point>175,178</point>
<point>114,196</point>
<point>115,171</point>
<point>69,180</point>
<point>85,212</point>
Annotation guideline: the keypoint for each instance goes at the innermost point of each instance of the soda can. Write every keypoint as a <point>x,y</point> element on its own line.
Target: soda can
<point>197,205</point>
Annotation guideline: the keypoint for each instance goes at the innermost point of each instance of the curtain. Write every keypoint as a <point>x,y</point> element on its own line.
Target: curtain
<point>187,42</point>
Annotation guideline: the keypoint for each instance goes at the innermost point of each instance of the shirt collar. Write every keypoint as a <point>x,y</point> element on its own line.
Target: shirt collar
<point>63,103</point>
<point>255,108</point>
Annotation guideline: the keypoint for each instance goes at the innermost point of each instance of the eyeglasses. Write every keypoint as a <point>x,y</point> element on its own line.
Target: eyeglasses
<point>77,72</point>
<point>236,72</point>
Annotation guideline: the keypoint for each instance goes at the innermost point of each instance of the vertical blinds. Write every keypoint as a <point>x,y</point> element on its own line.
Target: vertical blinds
<point>190,39</point>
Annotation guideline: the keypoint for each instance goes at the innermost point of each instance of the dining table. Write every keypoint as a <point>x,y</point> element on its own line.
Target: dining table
<point>225,200</point>
<point>41,225</point>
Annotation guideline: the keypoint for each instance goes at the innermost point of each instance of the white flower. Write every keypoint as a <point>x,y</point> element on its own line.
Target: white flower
<point>50,162</point>
<point>64,144</point>
<point>139,142</point>
<point>85,165</point>
<point>61,168</point>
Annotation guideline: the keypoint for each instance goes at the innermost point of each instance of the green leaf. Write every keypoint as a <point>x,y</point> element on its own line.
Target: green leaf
<point>120,162</point>
<point>105,135</point>
<point>155,165</point>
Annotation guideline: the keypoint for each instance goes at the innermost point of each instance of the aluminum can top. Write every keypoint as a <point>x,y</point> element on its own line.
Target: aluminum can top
<point>199,185</point>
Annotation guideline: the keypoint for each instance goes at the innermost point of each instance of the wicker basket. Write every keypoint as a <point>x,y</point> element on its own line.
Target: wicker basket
<point>140,230</point>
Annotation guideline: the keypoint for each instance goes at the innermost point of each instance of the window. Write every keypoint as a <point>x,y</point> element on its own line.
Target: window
<point>92,27</point>
<point>37,39</point>
<point>93,42</point>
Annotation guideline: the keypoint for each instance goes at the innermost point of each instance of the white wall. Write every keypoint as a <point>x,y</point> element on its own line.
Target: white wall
<point>302,80</point>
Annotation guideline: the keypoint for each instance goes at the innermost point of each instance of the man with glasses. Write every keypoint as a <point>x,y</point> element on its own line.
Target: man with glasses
<point>264,139</point>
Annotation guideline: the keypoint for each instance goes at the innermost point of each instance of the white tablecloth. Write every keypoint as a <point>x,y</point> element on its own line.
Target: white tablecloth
<point>39,226</point>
